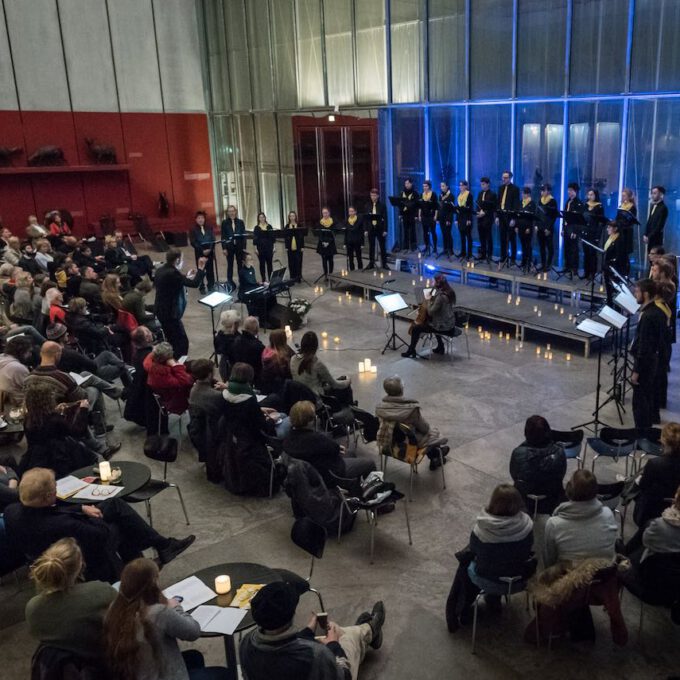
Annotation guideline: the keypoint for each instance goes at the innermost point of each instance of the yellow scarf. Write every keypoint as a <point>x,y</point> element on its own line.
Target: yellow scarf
<point>326,221</point>
<point>627,206</point>
<point>352,220</point>
<point>546,199</point>
<point>293,240</point>
<point>462,198</point>
<point>593,204</point>
<point>427,195</point>
<point>525,202</point>
<point>661,304</point>
<point>611,240</point>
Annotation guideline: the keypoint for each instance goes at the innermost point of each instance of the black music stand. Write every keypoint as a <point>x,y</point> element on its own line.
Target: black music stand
<point>218,284</point>
<point>392,303</point>
<point>570,219</point>
<point>317,231</point>
<point>617,321</point>
<point>214,300</point>
<point>303,231</point>
<point>488,207</point>
<point>597,249</point>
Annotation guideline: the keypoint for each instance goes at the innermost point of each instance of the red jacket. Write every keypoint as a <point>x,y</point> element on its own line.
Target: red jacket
<point>171,383</point>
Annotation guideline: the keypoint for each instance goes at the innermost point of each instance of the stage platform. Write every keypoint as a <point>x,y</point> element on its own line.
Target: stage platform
<point>544,316</point>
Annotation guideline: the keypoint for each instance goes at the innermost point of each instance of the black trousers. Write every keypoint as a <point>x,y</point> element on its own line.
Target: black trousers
<point>232,254</point>
<point>447,236</point>
<point>643,394</point>
<point>354,251</point>
<point>546,247</point>
<point>209,265</point>
<point>429,232</point>
<point>485,228</point>
<point>409,222</point>
<point>417,331</point>
<point>373,237</point>
<point>295,264</point>
<point>465,231</point>
<point>327,264</point>
<point>571,253</point>
<point>508,237</point>
<point>266,259</point>
<point>589,262</point>
<point>525,239</point>
<point>134,534</point>
<point>661,384</point>
<point>176,336</point>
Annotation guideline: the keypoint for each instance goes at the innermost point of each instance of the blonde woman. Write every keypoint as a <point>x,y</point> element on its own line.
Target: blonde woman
<point>67,612</point>
<point>230,321</point>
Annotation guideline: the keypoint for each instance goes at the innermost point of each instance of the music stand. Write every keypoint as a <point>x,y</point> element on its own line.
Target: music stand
<point>392,303</point>
<point>617,321</point>
<point>213,300</point>
<point>570,219</point>
<point>597,249</point>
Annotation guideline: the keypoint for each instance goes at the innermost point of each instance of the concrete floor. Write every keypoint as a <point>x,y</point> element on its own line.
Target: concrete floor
<point>481,405</point>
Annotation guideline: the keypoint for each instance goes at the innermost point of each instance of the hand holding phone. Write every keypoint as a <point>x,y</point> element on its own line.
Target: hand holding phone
<point>322,621</point>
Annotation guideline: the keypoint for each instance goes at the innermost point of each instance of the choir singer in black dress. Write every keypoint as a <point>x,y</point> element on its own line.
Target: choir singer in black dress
<point>445,214</point>
<point>546,215</point>
<point>325,246</point>
<point>294,236</point>
<point>377,229</point>
<point>232,246</point>
<point>525,228</point>
<point>263,240</point>
<point>508,199</point>
<point>615,256</point>
<point>571,231</point>
<point>409,213</point>
<point>464,204</point>
<point>486,204</point>
<point>427,215</point>
<point>354,238</point>
<point>592,233</point>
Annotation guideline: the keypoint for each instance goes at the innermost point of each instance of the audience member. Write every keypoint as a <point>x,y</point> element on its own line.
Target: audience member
<point>9,491</point>
<point>35,230</point>
<point>133,302</point>
<point>55,305</point>
<point>107,534</point>
<point>21,308</point>
<point>275,363</point>
<point>395,408</point>
<point>27,260</point>
<point>66,612</point>
<point>142,628</point>
<point>112,299</point>
<point>538,466</point>
<point>90,288</point>
<point>225,336</point>
<point>298,654</point>
<point>168,378</point>
<point>43,255</point>
<point>206,393</point>
<point>12,253</point>
<point>140,406</point>
<point>14,363</point>
<point>246,348</point>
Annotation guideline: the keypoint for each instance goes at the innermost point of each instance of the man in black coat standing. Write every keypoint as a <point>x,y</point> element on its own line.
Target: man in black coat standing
<point>508,199</point>
<point>232,246</point>
<point>171,299</point>
<point>202,239</point>
<point>377,229</point>
<point>658,214</point>
<point>648,343</point>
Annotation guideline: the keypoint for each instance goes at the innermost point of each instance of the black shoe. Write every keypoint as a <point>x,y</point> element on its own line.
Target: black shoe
<point>175,547</point>
<point>376,620</point>
<point>439,349</point>
<point>385,508</point>
<point>201,290</point>
<point>110,450</point>
<point>370,265</point>
<point>409,354</point>
<point>109,428</point>
<point>445,451</point>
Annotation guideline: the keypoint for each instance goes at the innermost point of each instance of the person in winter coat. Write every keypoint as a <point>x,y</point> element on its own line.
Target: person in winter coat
<point>167,378</point>
<point>582,527</point>
<point>538,465</point>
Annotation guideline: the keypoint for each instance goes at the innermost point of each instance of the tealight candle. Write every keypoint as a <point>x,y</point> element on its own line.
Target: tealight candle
<point>516,348</point>
<point>374,369</point>
<point>535,308</point>
<point>375,273</point>
<point>340,299</point>
<point>336,339</point>
<point>568,357</point>
<point>324,334</point>
<point>561,310</point>
<point>479,329</point>
<point>222,584</point>
<point>413,282</point>
<point>382,276</point>
<point>539,313</point>
<point>373,306</point>
<point>362,367</point>
<point>548,347</point>
<point>507,336</point>
<point>500,335</point>
<point>105,472</point>
<point>538,350</point>
<point>367,363</point>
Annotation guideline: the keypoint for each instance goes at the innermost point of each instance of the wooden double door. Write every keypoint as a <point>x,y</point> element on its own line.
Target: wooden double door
<point>336,164</point>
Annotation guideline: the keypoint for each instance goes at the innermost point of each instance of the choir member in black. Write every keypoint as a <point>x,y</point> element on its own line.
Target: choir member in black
<point>354,238</point>
<point>408,215</point>
<point>626,216</point>
<point>508,199</point>
<point>665,300</point>
<point>464,202</point>
<point>592,233</point>
<point>546,214</point>
<point>263,240</point>
<point>294,236</point>
<point>486,204</point>
<point>445,214</point>
<point>377,230</point>
<point>525,228</point>
<point>647,345</point>
<point>656,221</point>
<point>325,246</point>
<point>232,246</point>
<point>247,280</point>
<point>615,255</point>
<point>427,215</point>
<point>570,231</point>
<point>202,238</point>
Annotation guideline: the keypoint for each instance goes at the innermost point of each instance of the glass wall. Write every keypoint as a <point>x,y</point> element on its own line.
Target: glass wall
<point>447,145</point>
<point>408,54</point>
<point>447,51</point>
<point>490,143</point>
<point>491,41</point>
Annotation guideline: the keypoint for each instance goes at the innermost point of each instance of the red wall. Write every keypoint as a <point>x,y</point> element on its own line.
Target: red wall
<point>166,152</point>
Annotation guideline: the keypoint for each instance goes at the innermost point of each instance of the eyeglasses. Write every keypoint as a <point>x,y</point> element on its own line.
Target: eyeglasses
<point>104,492</point>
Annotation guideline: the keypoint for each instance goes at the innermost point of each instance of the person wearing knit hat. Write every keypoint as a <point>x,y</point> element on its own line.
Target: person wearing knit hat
<point>298,654</point>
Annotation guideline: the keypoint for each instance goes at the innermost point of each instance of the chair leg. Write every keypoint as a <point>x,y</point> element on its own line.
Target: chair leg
<point>642,615</point>
<point>467,344</point>
<point>318,594</point>
<point>410,485</point>
<point>181,500</point>
<point>474,620</point>
<point>271,480</point>
<point>372,512</point>
<point>342,508</point>
<point>148,512</point>
<point>408,524</point>
<point>441,465</point>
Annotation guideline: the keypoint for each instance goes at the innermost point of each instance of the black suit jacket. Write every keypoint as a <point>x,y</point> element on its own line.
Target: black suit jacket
<point>512,200</point>
<point>248,349</point>
<point>319,450</point>
<point>655,225</point>
<point>650,338</point>
<point>380,209</point>
<point>660,479</point>
<point>228,230</point>
<point>617,255</point>
<point>169,283</point>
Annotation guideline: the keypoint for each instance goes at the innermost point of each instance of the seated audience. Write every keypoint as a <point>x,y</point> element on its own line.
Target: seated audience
<point>275,643</point>
<point>43,255</point>
<point>538,466</point>
<point>246,348</point>
<point>90,289</point>
<point>224,338</point>
<point>133,302</point>
<point>275,363</point>
<point>169,379</point>
<point>27,261</point>
<point>441,316</point>
<point>112,300</point>
<point>308,369</point>
<point>122,257</point>
<point>108,534</point>
<point>140,406</point>
<point>9,490</point>
<point>141,630</point>
<point>35,230</point>
<point>12,253</point>
<point>318,449</point>
<point>21,308</point>
<point>660,477</point>
<point>582,527</point>
<point>662,534</point>
<point>67,613</point>
<point>206,393</point>
<point>14,363</point>
<point>92,336</point>
<point>55,305</point>
<point>395,408</point>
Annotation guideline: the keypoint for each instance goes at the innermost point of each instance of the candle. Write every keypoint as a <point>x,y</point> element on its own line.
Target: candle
<point>374,369</point>
<point>538,350</point>
<point>361,301</point>
<point>539,313</point>
<point>561,310</point>
<point>362,367</point>
<point>500,335</point>
<point>550,355</point>
<point>568,357</point>
<point>521,344</point>
<point>555,307</point>
<point>517,299</point>
<point>421,279</point>
<point>413,282</point>
<point>373,306</point>
<point>105,472</point>
<point>339,299</point>
<point>516,348</point>
<point>336,339</point>
<point>367,363</point>
<point>545,276</point>
<point>509,299</point>
<point>324,334</point>
<point>535,308</point>
<point>548,347</point>
<point>320,290</point>
<point>473,265</point>
<point>571,316</point>
<point>222,584</point>
<point>375,273</point>
<point>507,336</point>
<point>382,276</point>
<point>488,335</point>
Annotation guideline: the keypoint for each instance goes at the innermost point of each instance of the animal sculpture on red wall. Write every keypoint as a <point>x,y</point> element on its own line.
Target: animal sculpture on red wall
<point>7,153</point>
<point>47,155</point>
<point>101,153</point>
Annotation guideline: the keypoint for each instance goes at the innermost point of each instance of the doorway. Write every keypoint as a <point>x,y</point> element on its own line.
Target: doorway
<point>336,164</point>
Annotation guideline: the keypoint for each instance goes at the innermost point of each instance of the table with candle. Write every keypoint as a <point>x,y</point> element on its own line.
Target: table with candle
<point>133,477</point>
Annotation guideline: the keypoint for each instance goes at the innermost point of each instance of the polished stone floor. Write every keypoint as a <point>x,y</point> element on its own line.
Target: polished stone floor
<point>481,404</point>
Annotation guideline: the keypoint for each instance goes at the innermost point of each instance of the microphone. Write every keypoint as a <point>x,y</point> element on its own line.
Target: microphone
<point>389,281</point>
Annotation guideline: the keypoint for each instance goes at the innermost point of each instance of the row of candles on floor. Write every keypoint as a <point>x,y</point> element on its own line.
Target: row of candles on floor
<point>547,353</point>
<point>537,310</point>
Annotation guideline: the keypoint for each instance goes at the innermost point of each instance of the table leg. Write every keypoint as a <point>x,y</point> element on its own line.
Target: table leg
<point>230,654</point>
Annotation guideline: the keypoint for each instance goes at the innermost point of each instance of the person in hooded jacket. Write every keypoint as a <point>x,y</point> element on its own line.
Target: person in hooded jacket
<point>538,466</point>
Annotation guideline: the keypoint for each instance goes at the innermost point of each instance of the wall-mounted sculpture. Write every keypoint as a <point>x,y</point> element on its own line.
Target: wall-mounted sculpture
<point>7,153</point>
<point>47,155</point>
<point>101,153</point>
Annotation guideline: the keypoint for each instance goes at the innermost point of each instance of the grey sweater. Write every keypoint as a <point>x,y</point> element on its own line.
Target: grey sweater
<point>662,535</point>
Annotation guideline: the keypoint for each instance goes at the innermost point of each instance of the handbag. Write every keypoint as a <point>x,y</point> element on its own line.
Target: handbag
<point>161,447</point>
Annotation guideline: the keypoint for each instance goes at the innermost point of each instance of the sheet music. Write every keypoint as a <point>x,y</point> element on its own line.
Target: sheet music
<point>224,620</point>
<point>627,301</point>
<point>215,299</point>
<point>612,316</point>
<point>193,590</point>
<point>391,302</point>
<point>593,328</point>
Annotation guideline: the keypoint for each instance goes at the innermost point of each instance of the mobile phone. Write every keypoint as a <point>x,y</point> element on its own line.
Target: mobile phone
<point>182,359</point>
<point>322,620</point>
<point>178,598</point>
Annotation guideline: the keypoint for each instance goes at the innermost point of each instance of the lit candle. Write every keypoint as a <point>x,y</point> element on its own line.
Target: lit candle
<point>413,282</point>
<point>545,276</point>
<point>561,310</point>
<point>421,279</point>
<point>382,276</point>
<point>507,336</point>
<point>555,307</point>
<point>509,299</point>
<point>601,289</point>
<point>324,334</point>
<point>550,356</point>
<point>373,306</point>
<point>473,265</point>
<point>222,584</point>
<point>105,472</point>
<point>367,363</point>
<point>339,299</point>
<point>568,357</point>
<point>521,345</point>
<point>362,367</point>
<point>479,329</point>
<point>539,313</point>
<point>548,347</point>
<point>517,299</point>
<point>500,335</point>
<point>488,335</point>
<point>374,369</point>
<point>535,308</point>
<point>361,301</point>
<point>516,348</point>
<point>375,273</point>
<point>571,316</point>
<point>320,290</point>
<point>336,339</point>
<point>538,350</point>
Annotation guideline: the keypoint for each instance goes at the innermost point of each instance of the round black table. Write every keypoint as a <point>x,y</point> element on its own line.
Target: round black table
<point>133,477</point>
<point>239,573</point>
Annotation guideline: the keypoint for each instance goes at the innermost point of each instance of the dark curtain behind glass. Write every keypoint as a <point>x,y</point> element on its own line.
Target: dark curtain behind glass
<point>489,143</point>
<point>446,50</point>
<point>447,145</point>
<point>656,48</point>
<point>598,46</point>
<point>491,49</point>
<point>540,48</point>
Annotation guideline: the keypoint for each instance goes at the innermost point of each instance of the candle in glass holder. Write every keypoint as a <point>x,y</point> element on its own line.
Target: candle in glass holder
<point>538,350</point>
<point>375,273</point>
<point>413,282</point>
<point>367,363</point>
<point>539,313</point>
<point>105,472</point>
<point>336,339</point>
<point>568,357</point>
<point>500,335</point>
<point>373,306</point>
<point>521,344</point>
<point>382,276</point>
<point>555,307</point>
<point>516,348</point>
<point>421,279</point>
<point>479,329</point>
<point>545,276</point>
<point>561,311</point>
<point>571,316</point>
<point>362,367</point>
<point>340,299</point>
<point>507,336</point>
<point>320,290</point>
<point>535,308</point>
<point>324,334</point>
<point>222,584</point>
<point>374,369</point>
<point>548,347</point>
<point>517,302</point>
<point>509,299</point>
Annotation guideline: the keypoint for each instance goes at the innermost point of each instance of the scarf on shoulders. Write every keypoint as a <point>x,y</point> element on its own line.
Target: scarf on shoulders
<point>239,388</point>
